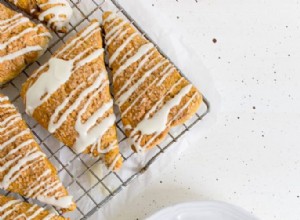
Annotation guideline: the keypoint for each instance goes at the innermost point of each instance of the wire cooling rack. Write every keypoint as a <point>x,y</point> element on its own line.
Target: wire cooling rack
<point>91,185</point>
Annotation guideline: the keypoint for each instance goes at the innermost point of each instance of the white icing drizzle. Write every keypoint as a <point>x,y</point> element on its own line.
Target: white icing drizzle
<point>33,10</point>
<point>48,83</point>
<point>113,164</point>
<point>9,178</point>
<point>115,55</point>
<point>97,53</point>
<point>128,82</point>
<point>14,138</point>
<point>111,24</point>
<point>32,208</point>
<point>9,163</point>
<point>154,82</point>
<point>97,145</point>
<point>51,187</point>
<point>143,50</point>
<point>18,164</point>
<point>58,194</point>
<point>21,34</point>
<point>14,24</point>
<point>93,133</point>
<point>4,98</point>
<point>60,9</point>
<point>49,216</point>
<point>87,133</point>
<point>32,188</point>
<point>6,106</point>
<point>184,107</point>
<point>124,97</point>
<point>114,30</point>
<point>109,18</point>
<point>118,33</point>
<point>8,205</point>
<point>41,190</point>
<point>174,118</point>
<point>89,31</point>
<point>63,202</point>
<point>6,21</point>
<point>9,131</point>
<point>157,123</point>
<point>44,34</point>
<point>86,34</point>
<point>11,122</point>
<point>20,52</point>
<point>125,57</point>
<point>53,126</point>
<point>14,207</point>
<point>35,213</point>
<point>13,151</point>
<point>165,76</point>
<point>27,216</point>
<point>6,120</point>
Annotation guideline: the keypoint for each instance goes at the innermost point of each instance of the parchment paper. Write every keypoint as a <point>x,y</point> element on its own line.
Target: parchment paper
<point>170,40</point>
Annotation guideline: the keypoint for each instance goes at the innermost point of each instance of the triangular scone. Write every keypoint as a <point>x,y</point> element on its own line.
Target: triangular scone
<point>21,43</point>
<point>55,13</point>
<point>24,168</point>
<point>14,209</point>
<point>151,93</point>
<point>70,97</point>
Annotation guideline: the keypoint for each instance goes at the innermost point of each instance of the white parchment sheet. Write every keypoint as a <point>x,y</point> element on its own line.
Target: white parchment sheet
<point>170,40</point>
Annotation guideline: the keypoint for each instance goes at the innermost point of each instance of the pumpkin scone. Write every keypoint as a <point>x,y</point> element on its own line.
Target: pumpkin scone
<point>21,43</point>
<point>152,95</point>
<point>24,168</point>
<point>14,209</point>
<point>70,97</point>
<point>55,13</point>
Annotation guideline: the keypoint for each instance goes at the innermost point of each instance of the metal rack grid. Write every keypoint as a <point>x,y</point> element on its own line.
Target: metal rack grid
<point>78,182</point>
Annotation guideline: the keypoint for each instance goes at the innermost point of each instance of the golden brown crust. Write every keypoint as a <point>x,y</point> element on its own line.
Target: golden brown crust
<point>155,79</point>
<point>67,132</point>
<point>37,7</point>
<point>29,35</point>
<point>14,134</point>
<point>23,210</point>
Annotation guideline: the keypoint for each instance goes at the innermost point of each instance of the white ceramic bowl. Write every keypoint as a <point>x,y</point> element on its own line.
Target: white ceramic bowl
<point>208,210</point>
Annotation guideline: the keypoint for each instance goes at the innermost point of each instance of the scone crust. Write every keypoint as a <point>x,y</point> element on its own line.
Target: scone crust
<point>67,132</point>
<point>41,9</point>
<point>25,34</point>
<point>14,135</point>
<point>155,79</point>
<point>24,210</point>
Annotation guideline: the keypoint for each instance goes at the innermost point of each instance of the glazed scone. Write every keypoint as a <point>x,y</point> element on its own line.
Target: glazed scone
<point>149,90</point>
<point>70,97</point>
<point>13,209</point>
<point>24,168</point>
<point>21,43</point>
<point>55,13</point>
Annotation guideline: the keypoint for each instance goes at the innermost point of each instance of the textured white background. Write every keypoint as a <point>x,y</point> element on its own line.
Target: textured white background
<point>251,157</point>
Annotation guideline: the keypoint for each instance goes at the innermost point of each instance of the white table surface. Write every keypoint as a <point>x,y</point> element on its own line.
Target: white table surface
<point>251,156</point>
